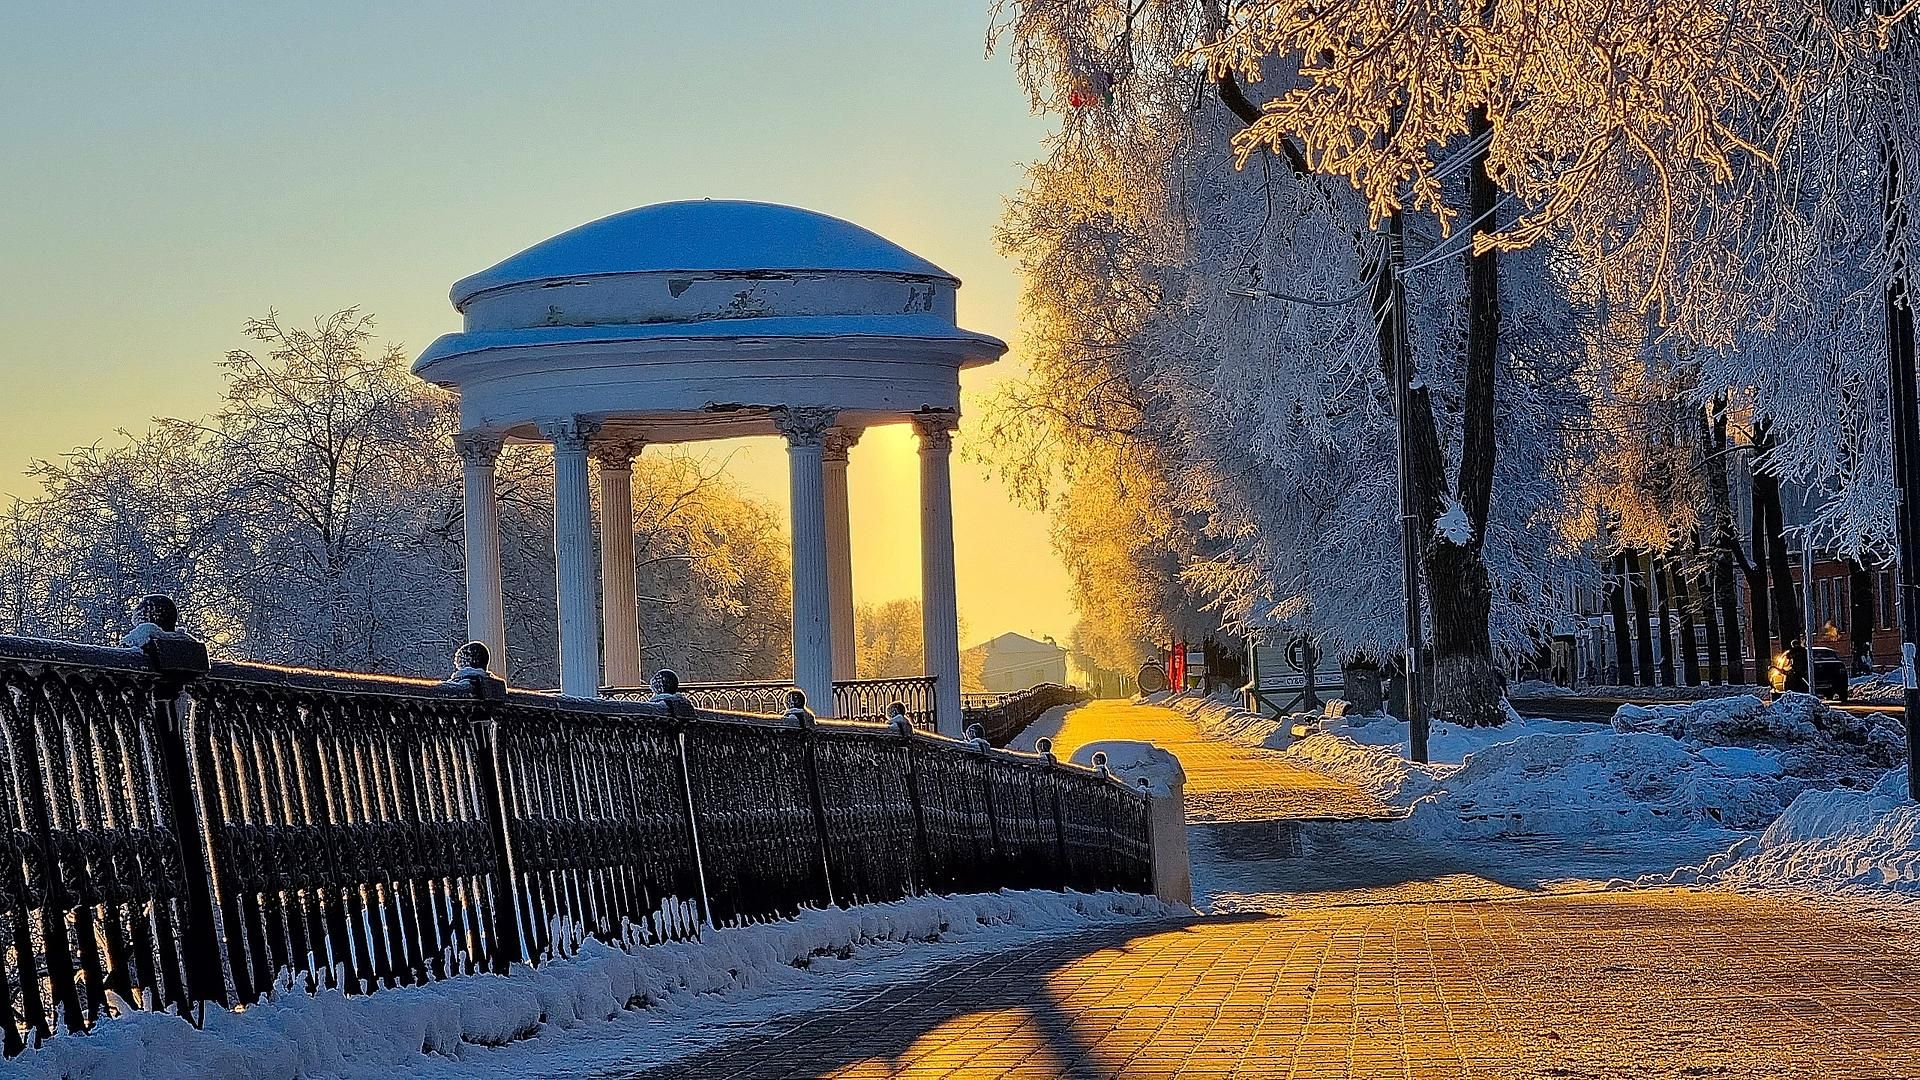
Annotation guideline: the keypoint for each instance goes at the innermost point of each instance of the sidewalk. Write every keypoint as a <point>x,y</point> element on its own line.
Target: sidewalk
<point>1352,949</point>
<point>1609,985</point>
<point>1226,781</point>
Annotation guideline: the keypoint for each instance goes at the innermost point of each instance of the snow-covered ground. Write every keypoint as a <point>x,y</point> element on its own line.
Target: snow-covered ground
<point>1762,794</point>
<point>600,1010</point>
<point>1839,842</point>
<point>1534,688</point>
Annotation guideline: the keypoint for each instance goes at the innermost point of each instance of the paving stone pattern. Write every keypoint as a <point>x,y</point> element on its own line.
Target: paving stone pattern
<point>1360,954</point>
<point>1226,781</point>
<point>1664,983</point>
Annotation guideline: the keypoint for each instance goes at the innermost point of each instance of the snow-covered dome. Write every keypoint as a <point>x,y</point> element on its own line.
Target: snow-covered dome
<point>702,319</point>
<point>701,235</point>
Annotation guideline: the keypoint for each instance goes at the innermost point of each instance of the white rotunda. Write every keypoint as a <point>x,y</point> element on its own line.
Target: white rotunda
<point>697,320</point>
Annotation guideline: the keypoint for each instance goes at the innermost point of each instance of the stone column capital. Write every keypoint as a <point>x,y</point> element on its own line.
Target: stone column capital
<point>837,441</point>
<point>804,425</point>
<point>478,447</point>
<point>617,453</point>
<point>569,432</point>
<point>936,429</point>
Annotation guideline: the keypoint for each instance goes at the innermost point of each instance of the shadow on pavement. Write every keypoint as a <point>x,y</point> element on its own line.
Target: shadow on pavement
<point>883,1028</point>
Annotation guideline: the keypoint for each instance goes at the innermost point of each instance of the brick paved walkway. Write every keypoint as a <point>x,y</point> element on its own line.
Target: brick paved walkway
<point>1610,985</point>
<point>1226,781</point>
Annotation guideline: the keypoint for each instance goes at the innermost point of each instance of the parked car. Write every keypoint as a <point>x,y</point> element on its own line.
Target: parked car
<point>1829,673</point>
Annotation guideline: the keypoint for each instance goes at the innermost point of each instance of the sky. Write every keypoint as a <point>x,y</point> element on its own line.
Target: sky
<point>171,169</point>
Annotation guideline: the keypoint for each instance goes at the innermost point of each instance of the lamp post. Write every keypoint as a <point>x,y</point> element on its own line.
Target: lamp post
<point>1396,315</point>
<point>1905,417</point>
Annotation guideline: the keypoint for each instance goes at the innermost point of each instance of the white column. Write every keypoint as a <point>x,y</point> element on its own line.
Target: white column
<point>486,611</point>
<point>805,430</point>
<point>939,606</point>
<point>619,603</point>
<point>573,557</point>
<point>833,456</point>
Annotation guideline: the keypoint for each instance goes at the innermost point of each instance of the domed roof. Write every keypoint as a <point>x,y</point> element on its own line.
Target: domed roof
<point>701,235</point>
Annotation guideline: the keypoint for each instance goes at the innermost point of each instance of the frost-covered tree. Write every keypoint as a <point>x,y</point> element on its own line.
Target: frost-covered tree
<point>1237,307</point>
<point>315,519</point>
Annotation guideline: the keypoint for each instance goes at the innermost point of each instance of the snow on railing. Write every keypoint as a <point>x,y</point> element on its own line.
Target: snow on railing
<point>853,699</point>
<point>184,831</point>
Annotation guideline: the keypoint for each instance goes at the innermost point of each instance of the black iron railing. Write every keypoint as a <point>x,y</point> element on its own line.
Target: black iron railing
<point>176,839</point>
<point>868,699</point>
<point>853,699</point>
<point>1005,716</point>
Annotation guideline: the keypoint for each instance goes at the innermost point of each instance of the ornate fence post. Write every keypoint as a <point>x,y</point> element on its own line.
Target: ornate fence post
<point>508,947</point>
<point>179,660</point>
<point>65,997</point>
<point>800,715</point>
<point>923,857</point>
<point>977,742</point>
<point>693,828</point>
<point>1044,747</point>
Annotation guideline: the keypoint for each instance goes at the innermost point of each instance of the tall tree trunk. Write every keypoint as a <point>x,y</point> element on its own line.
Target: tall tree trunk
<point>1683,608</point>
<point>1467,684</point>
<point>1726,539</point>
<point>1727,593</point>
<point>1617,605</point>
<point>1363,691</point>
<point>1655,574</point>
<point>1642,622</point>
<point>1759,589</point>
<point>1786,606</point>
<point>1860,615</point>
<point>1709,613</point>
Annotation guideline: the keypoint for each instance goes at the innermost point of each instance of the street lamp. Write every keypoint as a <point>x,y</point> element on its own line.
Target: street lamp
<point>1396,316</point>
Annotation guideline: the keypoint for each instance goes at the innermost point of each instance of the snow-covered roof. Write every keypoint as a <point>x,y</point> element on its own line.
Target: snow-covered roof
<point>702,235</point>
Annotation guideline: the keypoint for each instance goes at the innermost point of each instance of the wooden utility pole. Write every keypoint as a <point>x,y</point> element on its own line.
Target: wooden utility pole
<point>1396,316</point>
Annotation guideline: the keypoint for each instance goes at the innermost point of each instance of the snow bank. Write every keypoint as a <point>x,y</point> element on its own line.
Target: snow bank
<point>1140,764</point>
<point>1537,688</point>
<point>1378,769</point>
<point>1812,737</point>
<point>1537,777</point>
<point>466,1020</point>
<point>1600,782</point>
<point>1828,841</point>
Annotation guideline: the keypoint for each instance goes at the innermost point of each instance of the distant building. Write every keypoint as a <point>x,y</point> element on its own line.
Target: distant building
<point>1014,662</point>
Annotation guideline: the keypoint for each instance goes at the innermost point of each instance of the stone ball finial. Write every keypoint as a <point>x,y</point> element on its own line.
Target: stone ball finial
<point>897,711</point>
<point>1043,747</point>
<point>1099,759</point>
<point>158,609</point>
<point>472,656</point>
<point>797,711</point>
<point>975,731</point>
<point>665,681</point>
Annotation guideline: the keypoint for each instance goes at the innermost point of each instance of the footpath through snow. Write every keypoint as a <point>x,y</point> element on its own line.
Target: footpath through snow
<point>600,1009</point>
<point>1738,792</point>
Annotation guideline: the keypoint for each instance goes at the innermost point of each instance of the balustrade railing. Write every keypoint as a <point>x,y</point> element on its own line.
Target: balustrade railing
<point>1005,716</point>
<point>183,837</point>
<point>853,699</point>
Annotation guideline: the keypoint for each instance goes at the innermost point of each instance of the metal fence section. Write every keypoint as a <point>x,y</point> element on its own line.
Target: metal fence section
<point>853,699</point>
<point>95,887</point>
<point>759,698</point>
<point>179,837</point>
<point>868,699</point>
<point>1005,716</point>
